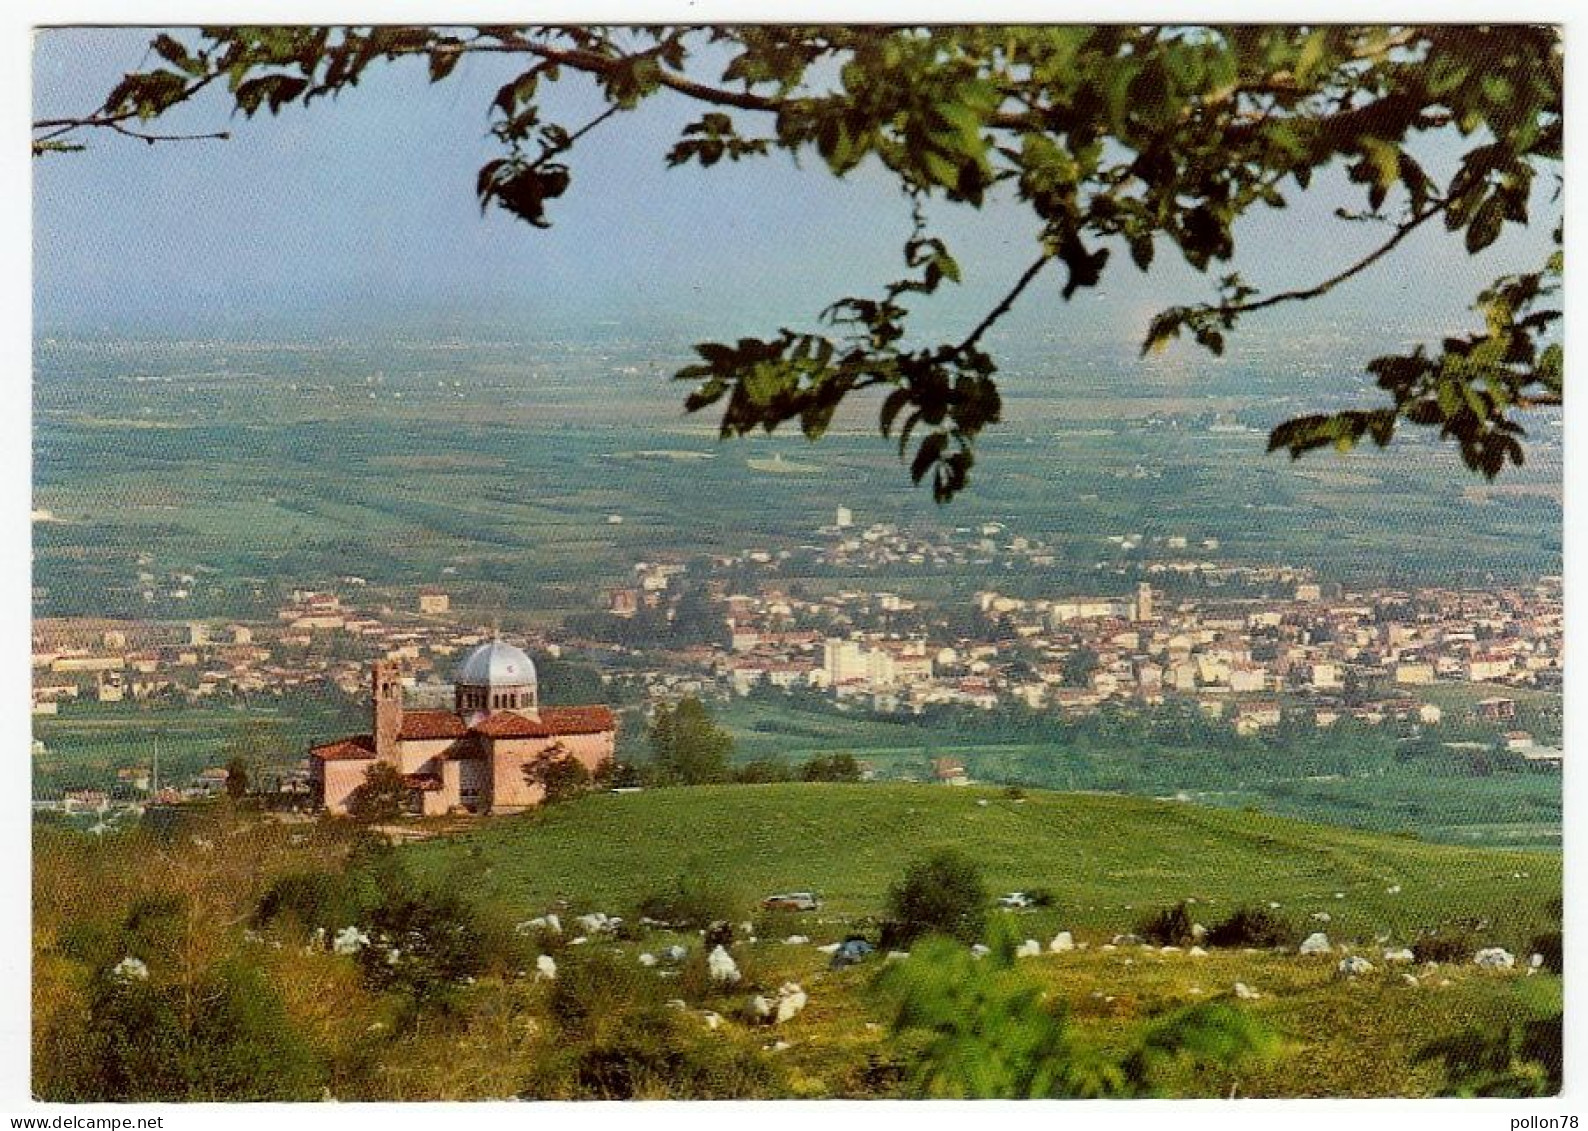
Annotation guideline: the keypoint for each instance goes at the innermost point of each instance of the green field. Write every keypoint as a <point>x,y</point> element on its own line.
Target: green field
<point>1109,858</point>
<point>1109,861</point>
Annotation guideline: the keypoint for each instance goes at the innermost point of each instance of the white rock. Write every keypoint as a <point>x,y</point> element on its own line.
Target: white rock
<point>1062,942</point>
<point>1272,906</point>
<point>349,940</point>
<point>1168,950</point>
<point>1028,949</point>
<point>1410,979</point>
<point>1321,916</point>
<point>711,1019</point>
<point>790,1000</point>
<point>674,953</point>
<point>1198,932</point>
<point>1108,946</point>
<point>830,948</point>
<point>1197,952</point>
<point>1535,961</point>
<point>796,940</point>
<point>1245,992</point>
<point>721,966</point>
<point>1400,956</point>
<point>1494,958</point>
<point>647,960</point>
<point>676,1003</point>
<point>1315,943</point>
<point>1393,889</point>
<point>982,802</point>
<point>760,1007</point>
<point>130,969</point>
<point>1339,895</point>
<point>545,968</point>
<point>578,940</point>
<point>896,956</point>
<point>1354,965</point>
<point>979,951</point>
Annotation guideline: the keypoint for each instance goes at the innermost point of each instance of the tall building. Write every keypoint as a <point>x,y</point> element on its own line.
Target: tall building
<point>1144,601</point>
<point>472,758</point>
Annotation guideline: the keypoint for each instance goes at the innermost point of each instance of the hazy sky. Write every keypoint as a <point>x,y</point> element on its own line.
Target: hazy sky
<point>360,213</point>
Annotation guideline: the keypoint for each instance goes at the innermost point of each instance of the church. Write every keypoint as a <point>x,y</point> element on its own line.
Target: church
<point>472,758</point>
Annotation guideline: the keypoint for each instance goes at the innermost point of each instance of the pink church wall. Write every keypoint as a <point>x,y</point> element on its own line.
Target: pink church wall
<point>340,779</point>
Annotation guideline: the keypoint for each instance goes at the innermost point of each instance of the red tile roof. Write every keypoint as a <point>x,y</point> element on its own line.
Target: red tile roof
<point>357,747</point>
<point>428,782</point>
<point>432,724</point>
<point>553,721</point>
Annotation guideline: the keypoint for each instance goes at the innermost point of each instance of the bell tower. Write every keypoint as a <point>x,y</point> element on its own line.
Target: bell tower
<point>386,685</point>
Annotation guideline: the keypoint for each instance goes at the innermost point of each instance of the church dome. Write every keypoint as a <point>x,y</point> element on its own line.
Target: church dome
<point>495,664</point>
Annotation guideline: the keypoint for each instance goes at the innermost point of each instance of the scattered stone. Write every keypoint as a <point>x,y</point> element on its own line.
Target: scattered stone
<point>1494,958</point>
<point>796,940</point>
<point>1400,956</point>
<point>579,940</point>
<point>130,969</point>
<point>1168,950</point>
<point>980,951</point>
<point>790,1000</point>
<point>721,966</point>
<point>674,953</point>
<point>1272,906</point>
<point>1321,916</point>
<point>1028,949</point>
<point>1410,979</point>
<point>1353,966</point>
<point>982,802</point>
<point>760,1008</point>
<point>1197,952</point>
<point>1315,943</point>
<point>1393,889</point>
<point>1245,992</point>
<point>349,940</point>
<point>1339,895</point>
<point>1198,932</point>
<point>830,948</point>
<point>545,968</point>
<point>647,960</point>
<point>1126,940</point>
<point>677,1003</point>
<point>1108,946</point>
<point>896,956</point>
<point>1062,942</point>
<point>712,1020</point>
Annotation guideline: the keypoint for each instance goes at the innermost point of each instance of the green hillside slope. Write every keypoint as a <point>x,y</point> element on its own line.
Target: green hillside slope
<point>1108,859</point>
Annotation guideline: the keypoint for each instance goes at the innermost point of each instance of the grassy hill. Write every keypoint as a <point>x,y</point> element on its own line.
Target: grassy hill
<point>1108,859</point>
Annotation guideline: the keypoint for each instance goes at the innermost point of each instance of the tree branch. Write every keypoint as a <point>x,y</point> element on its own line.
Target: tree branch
<point>1005,303</point>
<point>1327,285</point>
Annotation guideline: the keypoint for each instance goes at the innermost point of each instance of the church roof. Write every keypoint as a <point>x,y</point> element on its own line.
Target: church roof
<point>357,747</point>
<point>431,724</point>
<point>495,663</point>
<point>553,722</point>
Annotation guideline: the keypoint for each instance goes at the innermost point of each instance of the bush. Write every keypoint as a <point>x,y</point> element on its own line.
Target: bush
<point>1457,946</point>
<point>835,767</point>
<point>943,895</point>
<point>309,900</point>
<point>691,902</point>
<point>1168,927</point>
<point>761,772</point>
<point>1252,926</point>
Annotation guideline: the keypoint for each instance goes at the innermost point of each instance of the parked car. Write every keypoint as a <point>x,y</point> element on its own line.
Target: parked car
<point>791,901</point>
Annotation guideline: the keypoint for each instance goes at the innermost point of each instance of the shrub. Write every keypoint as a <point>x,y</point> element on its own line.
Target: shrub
<point>307,899</point>
<point>1170,926</point>
<point>761,772</point>
<point>423,943</point>
<point>1457,946</point>
<point>835,767</point>
<point>1252,926</point>
<point>943,895</point>
<point>691,901</point>
<point>382,798</point>
<point>1041,897</point>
